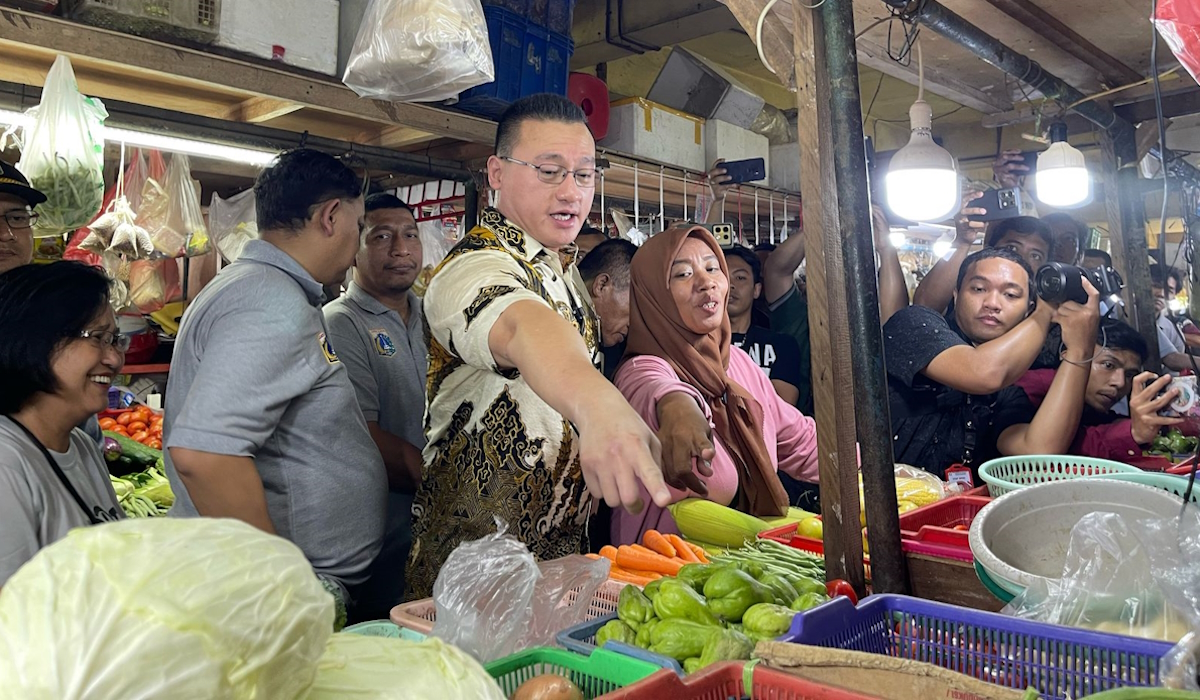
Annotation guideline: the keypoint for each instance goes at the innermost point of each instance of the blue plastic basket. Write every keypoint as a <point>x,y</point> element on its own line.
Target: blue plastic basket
<point>581,639</point>
<point>1059,662</point>
<point>384,628</point>
<point>528,59</point>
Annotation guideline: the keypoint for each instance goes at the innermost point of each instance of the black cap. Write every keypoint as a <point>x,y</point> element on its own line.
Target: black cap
<point>13,182</point>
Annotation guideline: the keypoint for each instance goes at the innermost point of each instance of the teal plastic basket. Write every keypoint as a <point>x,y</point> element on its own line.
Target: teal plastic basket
<point>1167,482</point>
<point>1011,473</point>
<point>384,628</point>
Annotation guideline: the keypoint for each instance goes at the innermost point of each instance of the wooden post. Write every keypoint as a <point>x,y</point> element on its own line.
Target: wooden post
<point>1125,203</point>
<point>829,330</point>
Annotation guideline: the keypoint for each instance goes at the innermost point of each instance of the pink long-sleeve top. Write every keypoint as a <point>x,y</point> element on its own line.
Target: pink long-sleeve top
<point>790,436</point>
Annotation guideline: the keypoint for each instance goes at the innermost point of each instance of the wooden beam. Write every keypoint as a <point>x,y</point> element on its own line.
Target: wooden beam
<point>776,38</point>
<point>657,23</point>
<point>937,81</point>
<point>1176,104</point>
<point>829,330</point>
<point>257,110</point>
<point>1126,209</point>
<point>137,57</point>
<point>396,137</point>
<point>1051,29</point>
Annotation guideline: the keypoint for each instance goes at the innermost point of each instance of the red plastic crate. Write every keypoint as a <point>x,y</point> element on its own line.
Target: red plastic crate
<point>936,522</point>
<point>728,680</point>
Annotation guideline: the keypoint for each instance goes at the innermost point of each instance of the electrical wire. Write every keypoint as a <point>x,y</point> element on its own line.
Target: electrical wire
<point>1106,93</point>
<point>762,17</point>
<point>871,104</point>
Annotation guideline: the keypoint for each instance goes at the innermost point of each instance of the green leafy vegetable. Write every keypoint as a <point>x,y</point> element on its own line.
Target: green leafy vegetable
<point>383,668</point>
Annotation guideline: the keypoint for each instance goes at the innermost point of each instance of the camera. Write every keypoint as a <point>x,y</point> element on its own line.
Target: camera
<point>724,234</point>
<point>1059,282</point>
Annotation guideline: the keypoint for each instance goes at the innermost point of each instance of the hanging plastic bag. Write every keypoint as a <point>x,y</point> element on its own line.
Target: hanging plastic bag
<point>232,223</point>
<point>1130,577</point>
<point>419,50</point>
<point>63,154</point>
<point>1178,21</point>
<point>88,245</point>
<point>154,214</point>
<point>184,214</point>
<point>493,599</point>
<point>153,283</point>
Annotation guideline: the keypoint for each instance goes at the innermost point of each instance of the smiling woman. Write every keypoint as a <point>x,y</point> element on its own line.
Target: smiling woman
<point>59,350</point>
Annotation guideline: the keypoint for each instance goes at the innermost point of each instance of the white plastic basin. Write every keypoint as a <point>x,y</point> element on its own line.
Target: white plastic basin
<point>1023,536</point>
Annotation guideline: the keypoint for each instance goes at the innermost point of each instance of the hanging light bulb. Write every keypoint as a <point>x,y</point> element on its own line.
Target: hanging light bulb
<point>941,249</point>
<point>1062,177</point>
<point>922,180</point>
<point>897,238</point>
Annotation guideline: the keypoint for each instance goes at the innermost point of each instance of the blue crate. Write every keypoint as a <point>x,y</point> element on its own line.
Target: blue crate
<point>559,16</point>
<point>581,639</point>
<point>528,59</point>
<point>1059,662</point>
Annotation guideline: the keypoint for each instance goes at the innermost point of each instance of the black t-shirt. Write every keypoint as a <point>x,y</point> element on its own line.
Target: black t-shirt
<point>610,358</point>
<point>933,425</point>
<point>777,354</point>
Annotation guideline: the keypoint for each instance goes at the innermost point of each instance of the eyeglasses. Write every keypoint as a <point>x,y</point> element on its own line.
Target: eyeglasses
<point>555,174</point>
<point>20,219</point>
<point>115,340</point>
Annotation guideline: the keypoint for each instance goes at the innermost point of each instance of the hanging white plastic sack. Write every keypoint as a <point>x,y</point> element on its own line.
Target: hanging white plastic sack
<point>232,223</point>
<point>62,154</point>
<point>420,50</point>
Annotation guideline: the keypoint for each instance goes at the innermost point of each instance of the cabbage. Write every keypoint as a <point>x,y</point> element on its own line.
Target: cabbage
<point>163,608</point>
<point>388,668</point>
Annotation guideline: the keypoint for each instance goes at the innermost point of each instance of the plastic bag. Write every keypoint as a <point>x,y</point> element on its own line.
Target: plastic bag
<point>493,599</point>
<point>63,154</point>
<point>232,223</point>
<point>1178,21</point>
<point>419,50</point>
<point>185,215</point>
<point>1131,577</point>
<point>153,283</point>
<point>131,188</point>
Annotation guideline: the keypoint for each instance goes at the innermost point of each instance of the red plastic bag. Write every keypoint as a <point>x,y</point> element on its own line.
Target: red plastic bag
<point>1178,21</point>
<point>153,284</point>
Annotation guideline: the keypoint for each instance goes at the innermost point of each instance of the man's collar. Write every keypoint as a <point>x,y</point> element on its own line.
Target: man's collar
<point>370,304</point>
<point>267,253</point>
<point>510,235</point>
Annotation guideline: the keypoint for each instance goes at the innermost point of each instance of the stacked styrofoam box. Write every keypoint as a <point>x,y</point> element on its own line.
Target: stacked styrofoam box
<point>274,29</point>
<point>784,173</point>
<point>724,140</point>
<point>639,127</point>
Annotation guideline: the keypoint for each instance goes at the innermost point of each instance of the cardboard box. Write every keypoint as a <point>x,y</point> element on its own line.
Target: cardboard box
<point>639,127</point>
<point>275,30</point>
<point>724,140</point>
<point>885,677</point>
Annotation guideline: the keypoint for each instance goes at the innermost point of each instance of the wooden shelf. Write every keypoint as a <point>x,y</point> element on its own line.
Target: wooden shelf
<point>146,369</point>
<point>142,71</point>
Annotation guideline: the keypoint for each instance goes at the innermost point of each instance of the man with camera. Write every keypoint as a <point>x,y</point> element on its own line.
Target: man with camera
<point>1120,352</point>
<point>951,378</point>
<point>1173,347</point>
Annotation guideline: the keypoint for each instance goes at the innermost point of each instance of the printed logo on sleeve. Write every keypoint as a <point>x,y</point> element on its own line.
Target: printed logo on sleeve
<point>382,342</point>
<point>327,349</point>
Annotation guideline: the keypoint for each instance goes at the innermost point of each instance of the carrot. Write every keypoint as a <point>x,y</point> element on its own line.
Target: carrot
<point>643,549</point>
<point>619,574</point>
<point>699,552</point>
<point>683,551</point>
<point>655,541</point>
<point>630,558</point>
<point>592,556</point>
<point>609,552</point>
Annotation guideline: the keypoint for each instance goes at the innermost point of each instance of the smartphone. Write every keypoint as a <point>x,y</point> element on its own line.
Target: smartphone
<point>724,234</point>
<point>747,170</point>
<point>999,204</point>
<point>1029,160</point>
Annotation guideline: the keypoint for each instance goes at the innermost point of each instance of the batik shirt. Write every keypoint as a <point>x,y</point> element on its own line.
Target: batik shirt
<point>495,448</point>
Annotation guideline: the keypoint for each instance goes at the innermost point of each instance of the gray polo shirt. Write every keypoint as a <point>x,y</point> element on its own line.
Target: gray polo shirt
<point>386,359</point>
<point>36,510</point>
<point>254,376</point>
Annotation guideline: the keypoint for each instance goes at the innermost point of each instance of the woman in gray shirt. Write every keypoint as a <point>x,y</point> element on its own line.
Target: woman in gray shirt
<point>59,350</point>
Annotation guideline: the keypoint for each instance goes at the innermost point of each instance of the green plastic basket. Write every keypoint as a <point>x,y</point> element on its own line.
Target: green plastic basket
<point>602,672</point>
<point>994,588</point>
<point>1011,473</point>
<point>1167,482</point>
<point>384,628</point>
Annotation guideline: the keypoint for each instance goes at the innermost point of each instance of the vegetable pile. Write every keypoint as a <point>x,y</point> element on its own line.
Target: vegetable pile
<point>144,494</point>
<point>714,526</point>
<point>140,425</point>
<point>1173,445</point>
<point>659,555</point>
<point>717,611</point>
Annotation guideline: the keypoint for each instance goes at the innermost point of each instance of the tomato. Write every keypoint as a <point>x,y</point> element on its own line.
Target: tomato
<point>107,423</point>
<point>154,443</point>
<point>143,414</point>
<point>135,426</point>
<point>839,587</point>
<point>125,418</point>
<point>139,436</point>
<point>119,429</point>
<point>962,528</point>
